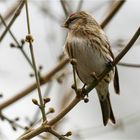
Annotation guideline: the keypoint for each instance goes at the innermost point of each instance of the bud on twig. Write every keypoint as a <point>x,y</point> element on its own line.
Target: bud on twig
<point>51,110</point>
<point>40,67</point>
<point>29,38</point>
<point>12,45</point>
<point>31,75</point>
<point>69,133</point>
<point>26,128</point>
<point>1,95</point>
<point>14,128</point>
<point>35,101</point>
<point>22,42</point>
<point>17,119</point>
<point>86,100</point>
<point>60,78</point>
<point>46,100</point>
<point>73,86</point>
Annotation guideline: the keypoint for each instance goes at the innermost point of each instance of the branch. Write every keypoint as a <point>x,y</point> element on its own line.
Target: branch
<point>17,13</point>
<point>33,86</point>
<point>32,133</point>
<point>63,3</point>
<point>129,65</point>
<point>10,11</point>
<point>60,137</point>
<point>112,13</point>
<point>87,90</point>
<point>80,4</point>
<point>13,122</point>
<point>20,47</point>
<point>41,129</point>
<point>74,102</point>
<point>29,39</point>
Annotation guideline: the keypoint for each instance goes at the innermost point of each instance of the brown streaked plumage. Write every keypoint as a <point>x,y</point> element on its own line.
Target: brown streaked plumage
<point>88,44</point>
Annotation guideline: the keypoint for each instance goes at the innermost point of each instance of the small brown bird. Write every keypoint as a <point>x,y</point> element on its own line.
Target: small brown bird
<point>87,43</point>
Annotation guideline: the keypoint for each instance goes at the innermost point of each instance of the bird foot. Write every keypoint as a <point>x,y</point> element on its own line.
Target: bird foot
<point>73,61</point>
<point>83,88</point>
<point>94,75</point>
<point>73,86</point>
<point>109,64</point>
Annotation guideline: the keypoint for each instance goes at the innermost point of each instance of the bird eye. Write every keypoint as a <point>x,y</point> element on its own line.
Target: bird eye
<point>73,19</point>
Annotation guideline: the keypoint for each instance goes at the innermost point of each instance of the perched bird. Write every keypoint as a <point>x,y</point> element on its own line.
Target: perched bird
<point>87,43</point>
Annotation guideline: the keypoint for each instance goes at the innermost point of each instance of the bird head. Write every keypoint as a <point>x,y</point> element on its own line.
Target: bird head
<point>77,19</point>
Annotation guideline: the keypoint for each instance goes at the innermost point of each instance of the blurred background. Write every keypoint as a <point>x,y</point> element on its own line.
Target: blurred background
<point>16,74</point>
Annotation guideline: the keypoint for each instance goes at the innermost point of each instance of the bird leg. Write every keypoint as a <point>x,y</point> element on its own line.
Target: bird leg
<point>83,88</point>
<point>79,92</point>
<point>74,62</point>
<point>93,74</point>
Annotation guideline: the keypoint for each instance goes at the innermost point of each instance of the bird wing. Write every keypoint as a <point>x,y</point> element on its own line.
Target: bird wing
<point>116,76</point>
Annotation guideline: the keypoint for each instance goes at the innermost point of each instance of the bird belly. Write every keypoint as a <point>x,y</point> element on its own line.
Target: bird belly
<point>89,60</point>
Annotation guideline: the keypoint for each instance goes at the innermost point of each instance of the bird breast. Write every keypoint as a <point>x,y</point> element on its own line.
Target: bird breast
<point>89,59</point>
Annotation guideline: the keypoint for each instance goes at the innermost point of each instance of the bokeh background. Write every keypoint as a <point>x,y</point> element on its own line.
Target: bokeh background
<point>85,120</point>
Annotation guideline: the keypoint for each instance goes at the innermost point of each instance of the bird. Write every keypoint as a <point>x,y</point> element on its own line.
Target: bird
<point>87,43</point>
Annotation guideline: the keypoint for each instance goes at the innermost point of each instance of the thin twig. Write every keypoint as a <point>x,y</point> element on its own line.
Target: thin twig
<point>128,46</point>
<point>99,6</point>
<point>33,86</point>
<point>129,65</point>
<point>17,13</point>
<point>74,78</point>
<point>60,137</point>
<point>46,11</point>
<point>13,123</point>
<point>36,115</point>
<point>74,102</point>
<point>16,125</point>
<point>53,121</point>
<point>10,11</point>
<point>4,23</point>
<point>80,4</point>
<point>35,132</point>
<point>41,106</point>
<point>16,41</point>
<point>64,7</point>
<point>112,13</point>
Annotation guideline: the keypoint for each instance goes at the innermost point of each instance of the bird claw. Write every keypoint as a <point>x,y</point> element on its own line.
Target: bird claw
<point>73,61</point>
<point>84,94</point>
<point>76,89</point>
<point>109,64</point>
<point>93,74</point>
<point>85,97</point>
<point>73,86</point>
<point>83,88</point>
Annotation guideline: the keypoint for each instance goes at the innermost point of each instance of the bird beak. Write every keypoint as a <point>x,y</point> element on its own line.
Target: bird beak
<point>65,25</point>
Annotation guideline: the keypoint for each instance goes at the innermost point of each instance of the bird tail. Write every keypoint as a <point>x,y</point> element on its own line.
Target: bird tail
<point>107,112</point>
